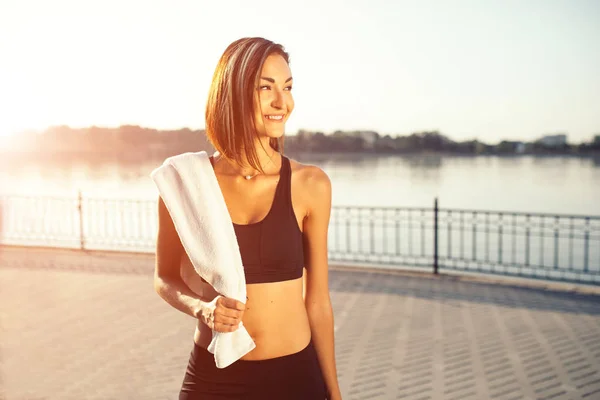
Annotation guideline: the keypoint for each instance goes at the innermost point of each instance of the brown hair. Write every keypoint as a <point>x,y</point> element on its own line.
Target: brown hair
<point>230,123</point>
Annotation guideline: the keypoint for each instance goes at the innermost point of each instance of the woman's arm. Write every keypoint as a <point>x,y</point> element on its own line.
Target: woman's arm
<point>317,300</point>
<point>167,278</point>
<point>221,314</point>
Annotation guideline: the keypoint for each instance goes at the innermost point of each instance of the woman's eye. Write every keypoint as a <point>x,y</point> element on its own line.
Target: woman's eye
<point>288,88</point>
<point>264,87</point>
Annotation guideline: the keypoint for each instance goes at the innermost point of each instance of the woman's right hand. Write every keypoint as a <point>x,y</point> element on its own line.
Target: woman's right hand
<point>222,314</point>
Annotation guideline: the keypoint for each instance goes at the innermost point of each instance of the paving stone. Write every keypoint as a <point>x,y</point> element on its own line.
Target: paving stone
<point>77,325</point>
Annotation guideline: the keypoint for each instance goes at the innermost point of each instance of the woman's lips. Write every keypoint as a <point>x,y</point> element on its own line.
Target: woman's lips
<point>275,117</point>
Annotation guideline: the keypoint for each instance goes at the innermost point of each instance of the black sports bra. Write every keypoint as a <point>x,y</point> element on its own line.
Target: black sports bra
<point>272,249</point>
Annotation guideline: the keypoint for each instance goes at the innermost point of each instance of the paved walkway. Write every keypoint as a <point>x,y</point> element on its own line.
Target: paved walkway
<point>89,326</point>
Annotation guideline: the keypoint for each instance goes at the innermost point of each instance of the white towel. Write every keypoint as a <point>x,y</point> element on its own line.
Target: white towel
<point>189,188</point>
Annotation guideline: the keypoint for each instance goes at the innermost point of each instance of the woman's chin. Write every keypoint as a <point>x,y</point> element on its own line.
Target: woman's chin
<point>275,134</point>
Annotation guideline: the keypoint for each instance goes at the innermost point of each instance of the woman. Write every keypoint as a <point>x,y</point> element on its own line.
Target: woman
<point>280,211</point>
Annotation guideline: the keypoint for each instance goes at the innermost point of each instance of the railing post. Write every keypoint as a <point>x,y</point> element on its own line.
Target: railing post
<point>435,236</point>
<point>80,210</point>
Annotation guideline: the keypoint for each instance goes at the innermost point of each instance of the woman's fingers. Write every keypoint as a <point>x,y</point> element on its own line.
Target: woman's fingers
<point>230,307</point>
<point>226,314</point>
<point>219,327</point>
<point>225,320</point>
<point>231,303</point>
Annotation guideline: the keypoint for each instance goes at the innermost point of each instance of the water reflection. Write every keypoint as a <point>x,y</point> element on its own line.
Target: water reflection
<point>426,161</point>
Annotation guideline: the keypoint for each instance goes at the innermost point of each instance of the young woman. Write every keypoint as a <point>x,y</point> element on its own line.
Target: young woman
<point>280,211</point>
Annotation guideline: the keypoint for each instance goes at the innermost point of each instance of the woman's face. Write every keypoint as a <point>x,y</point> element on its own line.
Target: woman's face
<point>273,103</point>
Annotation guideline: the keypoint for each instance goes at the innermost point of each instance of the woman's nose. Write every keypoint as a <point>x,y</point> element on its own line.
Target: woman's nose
<point>277,101</point>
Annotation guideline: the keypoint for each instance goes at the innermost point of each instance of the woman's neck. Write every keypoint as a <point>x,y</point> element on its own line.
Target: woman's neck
<point>268,159</point>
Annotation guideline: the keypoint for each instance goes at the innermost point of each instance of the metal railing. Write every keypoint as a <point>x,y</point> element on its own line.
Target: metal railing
<point>532,245</point>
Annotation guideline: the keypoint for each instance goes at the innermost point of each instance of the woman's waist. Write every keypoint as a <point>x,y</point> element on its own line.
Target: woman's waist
<point>270,342</point>
<point>276,329</point>
<point>273,314</point>
<point>267,346</point>
<point>266,317</point>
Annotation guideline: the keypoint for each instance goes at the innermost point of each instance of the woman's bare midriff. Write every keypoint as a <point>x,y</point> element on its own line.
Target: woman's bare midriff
<point>275,316</point>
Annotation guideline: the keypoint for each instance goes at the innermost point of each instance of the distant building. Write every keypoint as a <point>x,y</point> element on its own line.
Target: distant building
<point>520,148</point>
<point>511,147</point>
<point>480,147</point>
<point>554,140</point>
<point>515,147</point>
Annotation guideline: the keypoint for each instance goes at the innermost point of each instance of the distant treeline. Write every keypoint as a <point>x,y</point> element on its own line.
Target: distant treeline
<point>131,142</point>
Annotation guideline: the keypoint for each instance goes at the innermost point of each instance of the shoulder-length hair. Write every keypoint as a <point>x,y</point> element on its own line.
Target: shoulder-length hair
<point>230,122</point>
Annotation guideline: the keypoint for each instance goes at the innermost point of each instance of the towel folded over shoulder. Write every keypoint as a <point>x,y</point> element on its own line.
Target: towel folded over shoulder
<point>189,188</point>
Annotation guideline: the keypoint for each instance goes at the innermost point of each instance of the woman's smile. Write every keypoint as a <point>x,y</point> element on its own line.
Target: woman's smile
<point>275,118</point>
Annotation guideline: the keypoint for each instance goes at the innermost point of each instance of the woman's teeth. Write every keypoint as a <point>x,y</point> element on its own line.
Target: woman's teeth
<point>274,117</point>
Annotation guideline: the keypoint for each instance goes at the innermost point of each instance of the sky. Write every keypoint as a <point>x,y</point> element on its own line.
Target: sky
<point>487,70</point>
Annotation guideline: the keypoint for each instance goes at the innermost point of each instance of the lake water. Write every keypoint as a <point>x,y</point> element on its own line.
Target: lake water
<point>565,185</point>
<point>492,242</point>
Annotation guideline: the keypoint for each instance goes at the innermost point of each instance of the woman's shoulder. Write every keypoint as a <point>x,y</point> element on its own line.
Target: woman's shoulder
<point>309,176</point>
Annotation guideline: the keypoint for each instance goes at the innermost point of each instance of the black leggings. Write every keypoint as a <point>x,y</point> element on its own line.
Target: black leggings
<point>290,377</point>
